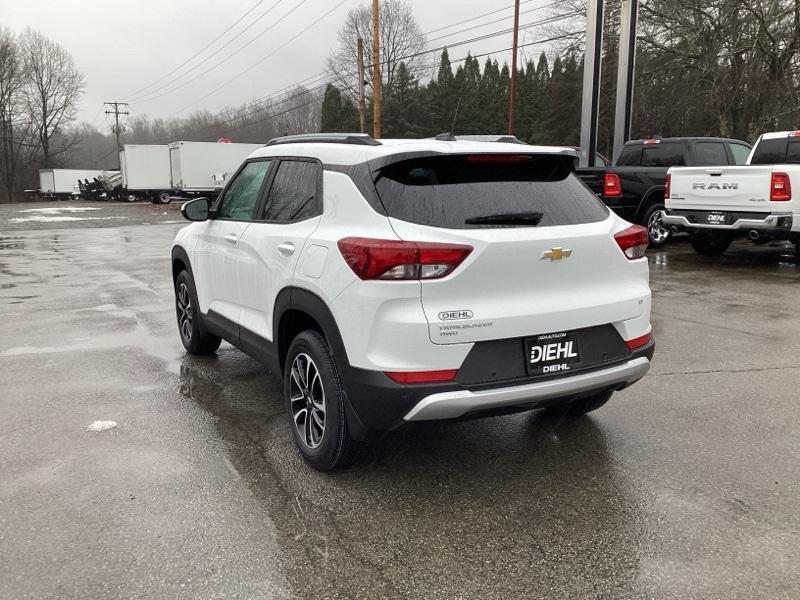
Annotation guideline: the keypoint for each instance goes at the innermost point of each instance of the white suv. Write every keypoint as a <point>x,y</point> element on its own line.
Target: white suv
<point>410,280</point>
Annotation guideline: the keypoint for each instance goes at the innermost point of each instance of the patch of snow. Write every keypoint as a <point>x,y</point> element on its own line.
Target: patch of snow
<point>102,426</point>
<point>57,210</point>
<point>60,219</point>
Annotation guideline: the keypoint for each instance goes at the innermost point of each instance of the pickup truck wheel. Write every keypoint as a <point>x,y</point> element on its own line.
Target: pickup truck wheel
<point>194,337</point>
<point>658,233</point>
<point>580,407</point>
<point>710,243</point>
<point>315,403</point>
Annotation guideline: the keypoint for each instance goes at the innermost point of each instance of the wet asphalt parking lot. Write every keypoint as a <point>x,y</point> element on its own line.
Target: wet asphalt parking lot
<point>684,486</point>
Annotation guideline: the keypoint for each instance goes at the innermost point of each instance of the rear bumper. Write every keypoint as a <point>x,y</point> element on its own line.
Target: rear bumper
<point>455,404</point>
<point>690,220</point>
<point>376,404</point>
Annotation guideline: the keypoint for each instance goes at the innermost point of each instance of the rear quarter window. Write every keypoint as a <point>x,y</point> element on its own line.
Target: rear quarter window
<point>630,156</point>
<point>446,191</point>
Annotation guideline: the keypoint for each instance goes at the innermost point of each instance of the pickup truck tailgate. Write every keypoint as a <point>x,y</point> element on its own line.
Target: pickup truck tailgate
<point>742,189</point>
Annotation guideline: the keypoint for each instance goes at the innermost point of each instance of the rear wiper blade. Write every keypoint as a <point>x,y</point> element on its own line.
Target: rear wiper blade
<point>523,218</point>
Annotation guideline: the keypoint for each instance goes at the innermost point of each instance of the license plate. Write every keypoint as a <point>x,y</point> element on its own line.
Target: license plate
<point>552,353</point>
<point>715,218</point>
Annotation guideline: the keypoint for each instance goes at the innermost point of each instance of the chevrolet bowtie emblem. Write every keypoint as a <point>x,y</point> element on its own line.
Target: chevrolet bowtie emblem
<point>556,253</point>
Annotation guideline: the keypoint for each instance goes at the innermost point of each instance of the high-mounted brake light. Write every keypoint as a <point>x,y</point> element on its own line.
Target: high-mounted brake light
<point>632,241</point>
<point>423,376</point>
<point>654,141</point>
<point>396,260</point>
<point>612,186</point>
<point>639,341</point>
<point>794,134</point>
<point>667,186</point>
<point>497,158</point>
<point>780,190</point>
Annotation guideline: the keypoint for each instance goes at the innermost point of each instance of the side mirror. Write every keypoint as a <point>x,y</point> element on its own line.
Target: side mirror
<point>196,210</point>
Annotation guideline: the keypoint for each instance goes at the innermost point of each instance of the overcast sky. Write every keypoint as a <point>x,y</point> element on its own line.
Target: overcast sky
<point>123,46</point>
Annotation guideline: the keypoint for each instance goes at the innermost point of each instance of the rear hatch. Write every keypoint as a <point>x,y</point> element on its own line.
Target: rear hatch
<point>736,189</point>
<point>525,276</point>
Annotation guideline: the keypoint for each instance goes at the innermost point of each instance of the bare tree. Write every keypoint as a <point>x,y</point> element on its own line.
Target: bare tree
<point>53,87</point>
<point>401,40</point>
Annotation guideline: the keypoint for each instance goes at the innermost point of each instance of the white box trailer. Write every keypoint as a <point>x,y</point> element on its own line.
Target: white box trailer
<point>146,171</point>
<point>64,182</point>
<point>199,167</point>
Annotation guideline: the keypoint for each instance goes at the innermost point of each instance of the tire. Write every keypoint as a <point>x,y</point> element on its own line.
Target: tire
<point>163,198</point>
<point>193,333</point>
<point>131,198</point>
<point>580,407</point>
<point>311,383</point>
<point>657,233</point>
<point>710,244</point>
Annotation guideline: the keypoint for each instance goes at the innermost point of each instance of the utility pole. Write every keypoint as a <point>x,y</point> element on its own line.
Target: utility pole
<point>512,92</point>
<point>591,82</point>
<point>625,75</point>
<point>376,70</point>
<point>114,109</point>
<point>362,113</point>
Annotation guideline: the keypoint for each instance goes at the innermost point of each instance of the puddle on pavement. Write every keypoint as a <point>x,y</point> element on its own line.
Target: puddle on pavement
<point>11,243</point>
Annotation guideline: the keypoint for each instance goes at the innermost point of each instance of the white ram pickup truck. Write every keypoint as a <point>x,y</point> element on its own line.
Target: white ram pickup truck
<point>718,204</point>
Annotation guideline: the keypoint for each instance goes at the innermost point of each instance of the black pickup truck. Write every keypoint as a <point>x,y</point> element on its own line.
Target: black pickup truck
<point>634,186</point>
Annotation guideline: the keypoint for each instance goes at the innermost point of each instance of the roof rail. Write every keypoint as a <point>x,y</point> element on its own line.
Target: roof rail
<point>357,139</point>
<point>505,139</point>
<point>444,137</point>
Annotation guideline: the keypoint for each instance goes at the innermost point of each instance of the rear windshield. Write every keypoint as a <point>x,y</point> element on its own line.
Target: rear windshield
<point>770,151</point>
<point>447,191</point>
<point>663,155</point>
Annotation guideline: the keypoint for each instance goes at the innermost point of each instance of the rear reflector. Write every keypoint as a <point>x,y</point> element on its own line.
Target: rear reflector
<point>633,241</point>
<point>781,188</point>
<point>423,376</point>
<point>639,341</point>
<point>396,260</point>
<point>612,187</point>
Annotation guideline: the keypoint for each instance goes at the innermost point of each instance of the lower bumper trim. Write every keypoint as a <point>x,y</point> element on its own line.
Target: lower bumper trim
<point>455,404</point>
<point>770,221</point>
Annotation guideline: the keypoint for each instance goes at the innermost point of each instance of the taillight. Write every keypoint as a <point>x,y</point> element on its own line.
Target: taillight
<point>423,376</point>
<point>612,187</point>
<point>794,134</point>
<point>639,341</point>
<point>633,241</point>
<point>395,260</point>
<point>781,189</point>
<point>667,186</point>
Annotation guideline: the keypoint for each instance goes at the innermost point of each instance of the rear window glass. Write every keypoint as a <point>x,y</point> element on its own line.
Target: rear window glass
<point>710,154</point>
<point>630,156</point>
<point>662,155</point>
<point>793,152</point>
<point>447,191</point>
<point>770,151</point>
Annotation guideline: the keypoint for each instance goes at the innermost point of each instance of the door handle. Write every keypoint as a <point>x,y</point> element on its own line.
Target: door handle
<point>286,249</point>
<point>231,238</point>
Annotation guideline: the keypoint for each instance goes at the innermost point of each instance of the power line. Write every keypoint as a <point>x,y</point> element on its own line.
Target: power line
<point>254,65</point>
<point>203,49</point>
<point>224,60</point>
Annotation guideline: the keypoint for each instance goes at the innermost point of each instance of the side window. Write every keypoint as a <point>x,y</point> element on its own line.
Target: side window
<point>241,196</point>
<point>740,153</point>
<point>663,155</point>
<point>710,154</point>
<point>630,156</point>
<point>293,194</point>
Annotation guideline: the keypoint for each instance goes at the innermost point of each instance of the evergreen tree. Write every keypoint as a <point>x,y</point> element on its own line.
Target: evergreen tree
<point>441,97</point>
<point>563,103</point>
<point>338,112</point>
<point>404,115</point>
